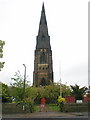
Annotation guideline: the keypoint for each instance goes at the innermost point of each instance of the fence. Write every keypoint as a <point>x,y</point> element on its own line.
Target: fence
<point>11,108</point>
<point>76,107</point>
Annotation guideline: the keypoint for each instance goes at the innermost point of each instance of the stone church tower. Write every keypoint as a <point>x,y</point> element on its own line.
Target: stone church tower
<point>43,67</point>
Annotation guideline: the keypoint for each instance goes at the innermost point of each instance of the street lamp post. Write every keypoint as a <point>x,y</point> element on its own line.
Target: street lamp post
<point>24,84</point>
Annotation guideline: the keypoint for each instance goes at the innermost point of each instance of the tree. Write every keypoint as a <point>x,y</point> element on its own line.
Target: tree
<point>17,86</point>
<point>17,80</point>
<point>0,88</point>
<point>51,92</point>
<point>78,92</point>
<point>66,91</point>
<point>2,43</point>
<point>31,92</point>
<point>6,97</point>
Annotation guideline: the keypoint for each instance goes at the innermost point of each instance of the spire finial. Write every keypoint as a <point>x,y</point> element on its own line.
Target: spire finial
<point>43,9</point>
<point>43,3</point>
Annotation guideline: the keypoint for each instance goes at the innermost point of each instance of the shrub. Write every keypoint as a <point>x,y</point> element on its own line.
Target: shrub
<point>61,102</point>
<point>29,104</point>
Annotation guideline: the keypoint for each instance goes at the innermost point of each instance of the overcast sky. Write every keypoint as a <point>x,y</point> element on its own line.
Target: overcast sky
<point>68,29</point>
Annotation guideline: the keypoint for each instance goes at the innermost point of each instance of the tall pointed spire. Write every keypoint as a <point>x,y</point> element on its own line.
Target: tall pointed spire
<point>43,65</point>
<point>43,16</point>
<point>43,39</point>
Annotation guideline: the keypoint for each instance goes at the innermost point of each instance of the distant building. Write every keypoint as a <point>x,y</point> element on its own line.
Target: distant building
<point>43,66</point>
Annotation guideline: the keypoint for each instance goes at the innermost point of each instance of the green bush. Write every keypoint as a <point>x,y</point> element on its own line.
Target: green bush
<point>29,104</point>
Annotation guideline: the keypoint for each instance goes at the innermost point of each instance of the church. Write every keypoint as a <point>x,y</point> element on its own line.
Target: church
<point>43,64</point>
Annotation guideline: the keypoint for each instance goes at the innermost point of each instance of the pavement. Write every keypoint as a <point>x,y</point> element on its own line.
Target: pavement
<point>47,115</point>
<point>50,114</point>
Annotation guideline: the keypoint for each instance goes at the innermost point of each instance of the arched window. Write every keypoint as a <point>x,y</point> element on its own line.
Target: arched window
<point>43,82</point>
<point>43,58</point>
